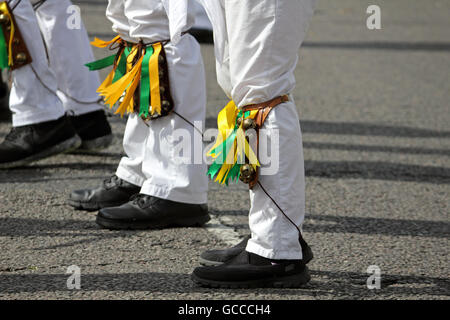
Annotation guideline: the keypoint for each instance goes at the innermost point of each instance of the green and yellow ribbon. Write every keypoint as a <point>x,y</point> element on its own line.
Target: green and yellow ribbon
<point>125,77</point>
<point>145,83</point>
<point>231,146</point>
<point>6,53</point>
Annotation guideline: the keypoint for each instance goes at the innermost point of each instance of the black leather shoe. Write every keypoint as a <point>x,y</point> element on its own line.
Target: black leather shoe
<point>93,129</point>
<point>113,192</point>
<point>248,270</point>
<point>218,257</point>
<point>147,212</point>
<point>29,143</point>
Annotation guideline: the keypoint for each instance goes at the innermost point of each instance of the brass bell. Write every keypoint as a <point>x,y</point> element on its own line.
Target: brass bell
<point>21,58</point>
<point>165,105</point>
<point>239,121</point>
<point>162,90</point>
<point>249,124</point>
<point>4,19</point>
<point>161,59</point>
<point>161,73</point>
<point>247,173</point>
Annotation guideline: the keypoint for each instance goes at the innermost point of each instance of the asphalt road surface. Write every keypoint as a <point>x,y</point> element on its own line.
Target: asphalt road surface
<point>375,113</point>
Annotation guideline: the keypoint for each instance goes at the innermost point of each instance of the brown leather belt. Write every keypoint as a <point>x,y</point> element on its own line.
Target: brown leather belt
<point>263,111</point>
<point>265,108</point>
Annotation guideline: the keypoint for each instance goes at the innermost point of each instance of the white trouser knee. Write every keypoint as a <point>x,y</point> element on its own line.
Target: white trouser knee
<point>69,50</point>
<point>33,96</point>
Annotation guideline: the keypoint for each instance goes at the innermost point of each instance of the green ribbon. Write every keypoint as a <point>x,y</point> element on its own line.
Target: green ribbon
<point>100,64</point>
<point>107,62</point>
<point>215,167</point>
<point>122,67</point>
<point>145,83</point>
<point>3,51</point>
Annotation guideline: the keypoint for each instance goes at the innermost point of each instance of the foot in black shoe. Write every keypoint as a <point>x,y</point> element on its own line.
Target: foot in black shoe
<point>218,257</point>
<point>29,143</point>
<point>248,270</point>
<point>147,212</point>
<point>113,192</point>
<point>93,129</point>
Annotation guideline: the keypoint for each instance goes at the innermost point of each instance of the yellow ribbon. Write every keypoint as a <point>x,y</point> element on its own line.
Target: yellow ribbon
<point>127,83</point>
<point>153,65</point>
<point>4,9</point>
<point>226,121</point>
<point>99,43</point>
<point>130,81</point>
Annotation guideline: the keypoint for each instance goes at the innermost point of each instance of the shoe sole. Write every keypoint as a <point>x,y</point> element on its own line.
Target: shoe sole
<point>95,144</point>
<point>294,281</point>
<point>92,206</point>
<point>211,263</point>
<point>180,223</point>
<point>63,147</point>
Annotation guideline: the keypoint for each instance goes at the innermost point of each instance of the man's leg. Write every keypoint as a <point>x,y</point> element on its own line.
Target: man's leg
<point>39,128</point>
<point>169,187</point>
<point>69,50</point>
<point>174,191</point>
<point>269,34</point>
<point>166,176</point>
<point>117,189</point>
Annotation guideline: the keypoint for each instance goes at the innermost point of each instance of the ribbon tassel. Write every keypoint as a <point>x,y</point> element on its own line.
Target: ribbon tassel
<point>231,146</point>
<point>126,76</point>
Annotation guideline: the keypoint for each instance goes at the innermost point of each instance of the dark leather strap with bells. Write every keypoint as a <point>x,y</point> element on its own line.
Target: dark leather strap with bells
<point>167,104</point>
<point>248,174</point>
<point>20,54</point>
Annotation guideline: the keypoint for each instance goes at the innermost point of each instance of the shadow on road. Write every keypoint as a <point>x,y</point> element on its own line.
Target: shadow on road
<point>49,172</point>
<point>322,169</point>
<point>324,283</point>
<point>364,225</point>
<point>377,170</point>
<point>79,231</point>
<point>334,284</point>
<point>360,129</point>
<point>372,148</point>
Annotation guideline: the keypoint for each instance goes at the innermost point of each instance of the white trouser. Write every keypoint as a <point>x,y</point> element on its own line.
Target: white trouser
<point>44,90</point>
<point>152,160</point>
<point>260,45</point>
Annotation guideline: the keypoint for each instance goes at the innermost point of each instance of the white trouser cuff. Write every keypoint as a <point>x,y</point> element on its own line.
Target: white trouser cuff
<point>129,176</point>
<point>164,192</point>
<point>34,117</point>
<point>272,254</point>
